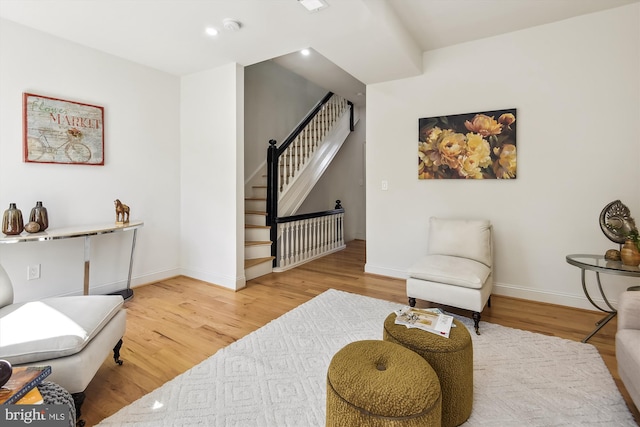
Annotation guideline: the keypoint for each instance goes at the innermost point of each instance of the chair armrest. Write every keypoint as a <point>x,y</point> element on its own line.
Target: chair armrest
<point>629,310</point>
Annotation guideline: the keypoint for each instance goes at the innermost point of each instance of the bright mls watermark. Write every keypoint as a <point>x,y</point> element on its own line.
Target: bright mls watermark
<point>34,415</point>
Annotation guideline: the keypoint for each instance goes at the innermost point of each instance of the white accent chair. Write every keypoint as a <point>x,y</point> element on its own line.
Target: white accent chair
<point>72,334</point>
<point>457,269</point>
<point>628,343</point>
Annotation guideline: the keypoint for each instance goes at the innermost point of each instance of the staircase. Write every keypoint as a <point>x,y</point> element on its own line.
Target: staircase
<point>257,246</point>
<point>300,167</point>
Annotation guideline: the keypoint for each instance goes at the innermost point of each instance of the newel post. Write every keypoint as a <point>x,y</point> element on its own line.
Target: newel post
<point>272,193</point>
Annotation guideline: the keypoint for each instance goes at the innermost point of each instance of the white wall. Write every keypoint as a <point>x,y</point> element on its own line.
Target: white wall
<point>212,187</point>
<point>576,86</point>
<point>276,101</point>
<point>141,167</point>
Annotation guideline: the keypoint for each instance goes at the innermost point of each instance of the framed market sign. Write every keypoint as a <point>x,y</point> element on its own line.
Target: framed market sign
<point>59,131</point>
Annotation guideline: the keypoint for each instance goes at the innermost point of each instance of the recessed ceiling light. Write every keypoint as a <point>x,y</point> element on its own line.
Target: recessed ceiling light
<point>305,52</point>
<point>211,31</point>
<point>313,5</point>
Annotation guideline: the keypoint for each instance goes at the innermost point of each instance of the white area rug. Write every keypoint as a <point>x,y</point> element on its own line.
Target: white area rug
<point>276,375</point>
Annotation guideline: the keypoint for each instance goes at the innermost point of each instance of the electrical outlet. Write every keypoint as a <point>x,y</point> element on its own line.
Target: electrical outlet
<point>33,272</point>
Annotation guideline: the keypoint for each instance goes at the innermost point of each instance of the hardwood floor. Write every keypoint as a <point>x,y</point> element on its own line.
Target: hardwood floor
<point>174,324</point>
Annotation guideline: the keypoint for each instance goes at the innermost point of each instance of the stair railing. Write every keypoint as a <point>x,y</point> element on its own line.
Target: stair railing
<point>285,162</point>
<point>302,238</point>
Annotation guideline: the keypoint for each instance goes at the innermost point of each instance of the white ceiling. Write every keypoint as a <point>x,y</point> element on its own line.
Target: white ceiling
<point>354,42</point>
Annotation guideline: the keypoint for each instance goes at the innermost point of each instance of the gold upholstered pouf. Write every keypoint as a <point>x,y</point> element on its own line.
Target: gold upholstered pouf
<point>378,383</point>
<point>451,358</point>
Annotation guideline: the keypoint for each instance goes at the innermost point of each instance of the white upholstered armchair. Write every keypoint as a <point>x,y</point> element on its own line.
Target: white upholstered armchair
<point>628,343</point>
<point>457,269</point>
<point>72,334</point>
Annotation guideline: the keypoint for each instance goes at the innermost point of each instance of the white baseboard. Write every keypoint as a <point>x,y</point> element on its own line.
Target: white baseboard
<point>558,298</point>
<point>107,288</point>
<point>225,282</point>
<point>154,277</point>
<point>233,283</point>
<point>504,289</point>
<point>383,271</point>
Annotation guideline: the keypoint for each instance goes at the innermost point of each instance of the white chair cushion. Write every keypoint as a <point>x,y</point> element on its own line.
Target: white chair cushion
<point>461,238</point>
<point>450,270</point>
<point>53,327</point>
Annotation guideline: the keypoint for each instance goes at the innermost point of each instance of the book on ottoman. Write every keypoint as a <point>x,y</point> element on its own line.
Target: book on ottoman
<point>23,379</point>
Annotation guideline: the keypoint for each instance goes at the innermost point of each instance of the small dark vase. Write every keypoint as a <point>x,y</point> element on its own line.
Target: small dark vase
<point>39,215</point>
<point>5,372</point>
<point>12,223</point>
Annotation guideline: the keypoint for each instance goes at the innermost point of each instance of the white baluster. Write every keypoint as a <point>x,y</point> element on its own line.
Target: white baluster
<point>327,236</point>
<point>294,242</point>
<point>285,170</point>
<point>314,235</point>
<point>333,110</point>
<point>281,166</point>
<point>282,247</point>
<point>316,130</point>
<point>308,142</point>
<point>285,244</point>
<point>294,158</point>
<point>292,167</point>
<point>332,225</point>
<point>324,234</point>
<point>305,252</point>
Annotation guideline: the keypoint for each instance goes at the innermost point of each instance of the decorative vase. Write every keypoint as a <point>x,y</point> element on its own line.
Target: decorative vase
<point>39,215</point>
<point>629,254</point>
<point>12,223</point>
<point>5,372</point>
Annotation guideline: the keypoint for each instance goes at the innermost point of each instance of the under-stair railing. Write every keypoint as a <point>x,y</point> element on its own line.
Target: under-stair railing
<point>302,238</point>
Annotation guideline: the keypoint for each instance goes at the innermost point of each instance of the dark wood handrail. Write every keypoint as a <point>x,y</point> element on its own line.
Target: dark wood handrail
<point>292,136</point>
<point>292,218</point>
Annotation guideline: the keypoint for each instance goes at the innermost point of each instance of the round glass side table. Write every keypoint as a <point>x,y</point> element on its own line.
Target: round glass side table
<point>598,264</point>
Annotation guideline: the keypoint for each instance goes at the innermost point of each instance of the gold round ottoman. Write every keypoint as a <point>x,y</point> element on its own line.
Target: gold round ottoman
<point>451,358</point>
<point>378,383</point>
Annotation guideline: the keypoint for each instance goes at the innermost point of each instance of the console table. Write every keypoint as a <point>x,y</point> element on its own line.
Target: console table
<point>86,232</point>
<point>598,264</point>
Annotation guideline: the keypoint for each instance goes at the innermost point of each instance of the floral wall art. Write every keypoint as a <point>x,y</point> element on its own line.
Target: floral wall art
<point>468,146</point>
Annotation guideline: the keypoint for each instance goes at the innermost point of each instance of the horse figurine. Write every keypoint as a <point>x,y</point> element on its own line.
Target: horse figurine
<point>122,212</point>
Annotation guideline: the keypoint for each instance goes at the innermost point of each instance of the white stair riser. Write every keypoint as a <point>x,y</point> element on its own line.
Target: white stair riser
<point>259,192</point>
<point>257,251</point>
<point>257,234</point>
<point>258,270</point>
<point>255,205</point>
<point>254,219</point>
